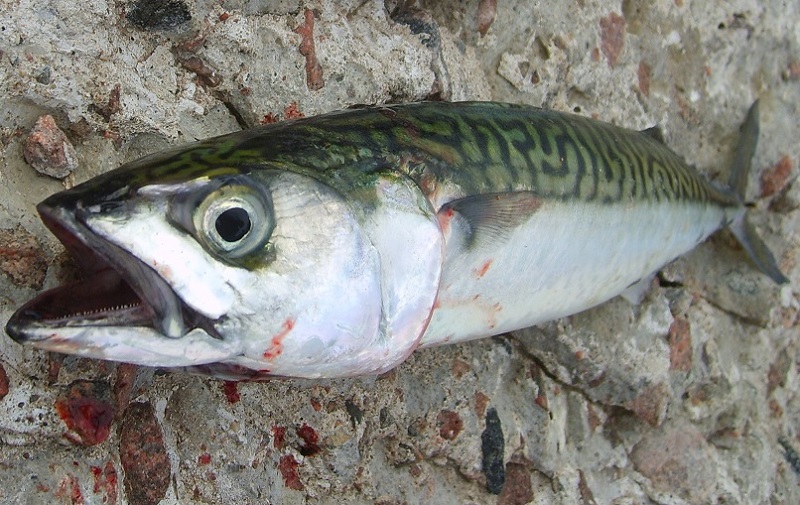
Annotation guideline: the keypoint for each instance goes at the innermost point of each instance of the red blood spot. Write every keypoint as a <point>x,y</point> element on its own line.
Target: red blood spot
<point>97,472</point>
<point>86,411</point>
<point>316,405</point>
<point>288,468</point>
<point>224,16</point>
<point>279,437</point>
<point>231,390</point>
<point>310,439</point>
<point>105,481</point>
<point>268,118</point>
<point>480,272</point>
<point>445,216</point>
<point>70,488</point>
<point>492,315</point>
<point>204,459</point>
<point>276,345</point>
<point>291,111</point>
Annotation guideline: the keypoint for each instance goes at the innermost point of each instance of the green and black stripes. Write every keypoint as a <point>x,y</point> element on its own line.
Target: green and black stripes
<point>513,148</point>
<point>481,147</point>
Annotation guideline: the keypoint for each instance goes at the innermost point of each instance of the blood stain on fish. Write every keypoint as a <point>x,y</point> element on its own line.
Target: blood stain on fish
<point>480,272</point>
<point>276,344</point>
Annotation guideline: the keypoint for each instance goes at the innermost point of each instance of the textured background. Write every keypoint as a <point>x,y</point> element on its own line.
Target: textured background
<point>686,398</point>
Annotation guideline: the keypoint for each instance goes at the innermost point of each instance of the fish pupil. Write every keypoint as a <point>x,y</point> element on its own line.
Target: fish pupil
<point>233,224</point>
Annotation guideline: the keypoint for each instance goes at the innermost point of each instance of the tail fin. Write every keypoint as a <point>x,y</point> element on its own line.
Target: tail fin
<point>741,228</point>
<point>745,150</point>
<point>757,249</point>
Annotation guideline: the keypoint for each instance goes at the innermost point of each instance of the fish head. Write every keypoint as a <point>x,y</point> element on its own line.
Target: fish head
<point>263,270</point>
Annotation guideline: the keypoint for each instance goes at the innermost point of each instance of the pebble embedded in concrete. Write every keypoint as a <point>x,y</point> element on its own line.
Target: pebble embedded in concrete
<point>48,150</point>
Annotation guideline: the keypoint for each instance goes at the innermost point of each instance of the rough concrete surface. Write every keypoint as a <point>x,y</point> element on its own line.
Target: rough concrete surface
<point>687,398</point>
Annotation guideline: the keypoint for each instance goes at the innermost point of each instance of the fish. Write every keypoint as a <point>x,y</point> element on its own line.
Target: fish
<point>336,245</point>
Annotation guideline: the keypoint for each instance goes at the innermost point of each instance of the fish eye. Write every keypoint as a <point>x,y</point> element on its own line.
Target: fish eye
<point>234,221</point>
<point>233,224</point>
<point>231,219</point>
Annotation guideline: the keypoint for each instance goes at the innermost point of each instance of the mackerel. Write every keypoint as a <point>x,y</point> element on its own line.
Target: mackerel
<point>336,245</point>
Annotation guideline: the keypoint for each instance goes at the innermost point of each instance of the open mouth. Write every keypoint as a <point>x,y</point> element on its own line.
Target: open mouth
<point>117,288</point>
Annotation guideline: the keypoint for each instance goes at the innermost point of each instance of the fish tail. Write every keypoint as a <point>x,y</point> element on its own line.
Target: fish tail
<point>757,250</point>
<point>744,231</point>
<point>746,148</point>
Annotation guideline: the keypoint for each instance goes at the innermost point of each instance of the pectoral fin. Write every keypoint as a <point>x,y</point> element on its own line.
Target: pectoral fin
<point>491,217</point>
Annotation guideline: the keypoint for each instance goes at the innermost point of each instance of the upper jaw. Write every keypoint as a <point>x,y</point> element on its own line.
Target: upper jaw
<point>119,291</point>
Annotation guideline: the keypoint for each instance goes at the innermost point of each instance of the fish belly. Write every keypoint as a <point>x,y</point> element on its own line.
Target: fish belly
<point>566,258</point>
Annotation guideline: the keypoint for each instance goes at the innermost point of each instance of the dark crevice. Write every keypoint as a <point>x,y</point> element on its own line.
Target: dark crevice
<point>243,123</point>
<point>666,283</point>
<point>525,353</point>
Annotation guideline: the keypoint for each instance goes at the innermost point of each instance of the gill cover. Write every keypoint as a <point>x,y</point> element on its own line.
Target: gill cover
<point>351,282</point>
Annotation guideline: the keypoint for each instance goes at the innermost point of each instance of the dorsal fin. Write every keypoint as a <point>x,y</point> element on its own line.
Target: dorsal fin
<point>655,133</point>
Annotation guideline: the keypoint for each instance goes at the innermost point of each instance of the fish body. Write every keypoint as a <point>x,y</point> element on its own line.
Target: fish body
<point>336,245</point>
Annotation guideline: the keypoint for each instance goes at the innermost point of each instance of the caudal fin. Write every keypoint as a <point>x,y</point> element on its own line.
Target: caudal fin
<point>757,249</point>
<point>741,228</point>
